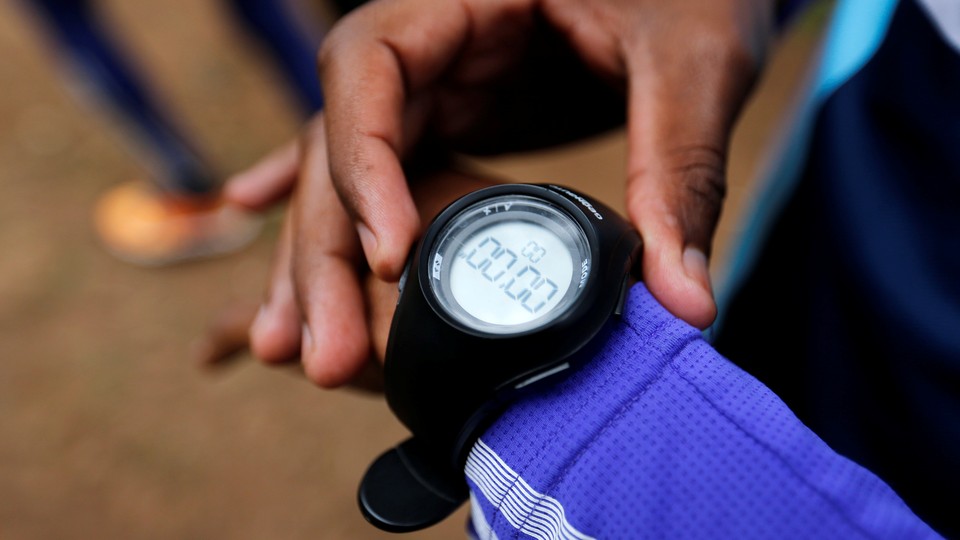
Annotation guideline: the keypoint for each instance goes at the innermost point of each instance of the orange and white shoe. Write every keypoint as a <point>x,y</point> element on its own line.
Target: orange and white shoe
<point>142,226</point>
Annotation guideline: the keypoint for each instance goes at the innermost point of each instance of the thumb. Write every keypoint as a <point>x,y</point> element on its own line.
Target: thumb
<point>681,113</point>
<point>676,211</point>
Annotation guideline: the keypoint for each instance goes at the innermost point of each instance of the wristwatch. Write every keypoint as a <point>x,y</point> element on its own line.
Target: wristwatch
<point>505,291</point>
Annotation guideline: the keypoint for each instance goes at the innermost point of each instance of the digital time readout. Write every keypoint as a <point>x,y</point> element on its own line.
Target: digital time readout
<point>511,272</point>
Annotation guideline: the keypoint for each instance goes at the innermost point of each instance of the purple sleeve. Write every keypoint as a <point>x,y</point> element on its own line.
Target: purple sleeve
<point>661,437</point>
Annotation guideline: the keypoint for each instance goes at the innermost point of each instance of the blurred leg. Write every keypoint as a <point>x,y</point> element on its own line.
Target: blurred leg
<point>178,216</point>
<point>272,22</point>
<point>86,45</point>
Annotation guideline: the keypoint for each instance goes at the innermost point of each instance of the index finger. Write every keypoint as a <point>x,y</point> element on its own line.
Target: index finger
<point>373,66</point>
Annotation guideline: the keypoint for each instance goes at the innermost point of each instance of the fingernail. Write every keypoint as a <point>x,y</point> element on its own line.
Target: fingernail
<point>307,344</point>
<point>367,239</point>
<point>695,265</point>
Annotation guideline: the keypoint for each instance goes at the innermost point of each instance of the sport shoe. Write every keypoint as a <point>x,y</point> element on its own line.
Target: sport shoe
<point>144,227</point>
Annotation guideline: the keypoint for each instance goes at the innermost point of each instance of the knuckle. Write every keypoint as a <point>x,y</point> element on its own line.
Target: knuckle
<point>700,172</point>
<point>341,38</point>
<point>327,52</point>
<point>355,27</point>
<point>726,49</point>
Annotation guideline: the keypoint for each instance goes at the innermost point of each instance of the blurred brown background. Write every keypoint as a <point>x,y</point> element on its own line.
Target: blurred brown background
<point>106,428</point>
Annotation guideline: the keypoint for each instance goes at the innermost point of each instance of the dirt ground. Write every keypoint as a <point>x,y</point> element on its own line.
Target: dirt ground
<point>107,429</point>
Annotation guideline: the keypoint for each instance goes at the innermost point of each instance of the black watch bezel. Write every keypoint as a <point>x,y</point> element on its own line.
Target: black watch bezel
<point>437,227</point>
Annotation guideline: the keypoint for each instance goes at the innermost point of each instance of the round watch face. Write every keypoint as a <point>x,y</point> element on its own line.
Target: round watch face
<point>509,264</point>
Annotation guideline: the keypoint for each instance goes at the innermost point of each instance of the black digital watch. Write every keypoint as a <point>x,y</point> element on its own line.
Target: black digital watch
<point>507,285</point>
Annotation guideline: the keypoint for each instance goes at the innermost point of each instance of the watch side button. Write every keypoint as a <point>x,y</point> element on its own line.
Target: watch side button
<point>403,278</point>
<point>624,292</point>
<point>406,270</point>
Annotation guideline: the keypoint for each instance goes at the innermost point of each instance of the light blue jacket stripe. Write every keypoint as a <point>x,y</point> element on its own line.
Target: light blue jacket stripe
<point>855,32</point>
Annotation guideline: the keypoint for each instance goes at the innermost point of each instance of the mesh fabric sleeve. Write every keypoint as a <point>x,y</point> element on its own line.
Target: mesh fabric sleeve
<point>658,436</point>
